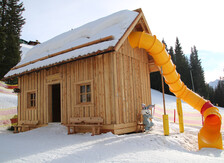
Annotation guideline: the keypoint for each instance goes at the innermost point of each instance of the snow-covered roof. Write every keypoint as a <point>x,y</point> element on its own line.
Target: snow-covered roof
<point>115,25</point>
<point>24,49</point>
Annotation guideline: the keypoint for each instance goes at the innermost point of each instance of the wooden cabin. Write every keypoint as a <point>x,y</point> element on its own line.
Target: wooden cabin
<point>91,71</point>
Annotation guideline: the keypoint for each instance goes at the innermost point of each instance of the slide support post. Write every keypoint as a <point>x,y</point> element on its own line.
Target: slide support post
<point>165,116</point>
<point>180,115</point>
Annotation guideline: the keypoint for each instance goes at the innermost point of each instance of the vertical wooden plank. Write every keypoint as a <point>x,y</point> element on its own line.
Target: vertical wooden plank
<point>91,77</point>
<point>134,89</point>
<point>107,88</point>
<point>119,94</point>
<point>76,71</point>
<point>111,88</point>
<point>126,88</point>
<point>131,90</point>
<point>87,111</point>
<point>85,68</point>
<point>45,100</point>
<point>72,90</point>
<point>138,84</point>
<point>82,111</point>
<point>33,81</point>
<point>33,87</point>
<point>37,95</point>
<point>75,74</point>
<point>19,98</point>
<point>123,89</point>
<point>101,87</point>
<point>116,94</point>
<point>90,68</point>
<point>36,87</point>
<point>42,94</point>
<point>26,88</point>
<point>28,82</point>
<point>40,106</point>
<point>68,92</point>
<point>149,85</point>
<point>81,70</point>
<point>143,77</point>
<point>126,84</point>
<point>22,98</point>
<point>64,96</point>
<point>25,95</point>
<point>92,113</point>
<point>95,88</point>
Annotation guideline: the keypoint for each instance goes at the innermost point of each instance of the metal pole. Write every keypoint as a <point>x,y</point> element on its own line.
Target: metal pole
<point>165,116</point>
<point>164,107</point>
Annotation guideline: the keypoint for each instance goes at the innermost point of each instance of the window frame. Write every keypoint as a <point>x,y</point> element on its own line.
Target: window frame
<point>31,102</point>
<point>85,93</point>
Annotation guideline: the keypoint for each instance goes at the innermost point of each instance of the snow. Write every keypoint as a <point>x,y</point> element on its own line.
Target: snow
<point>115,25</point>
<point>214,83</point>
<point>7,101</point>
<point>52,144</point>
<point>8,106</point>
<point>24,49</point>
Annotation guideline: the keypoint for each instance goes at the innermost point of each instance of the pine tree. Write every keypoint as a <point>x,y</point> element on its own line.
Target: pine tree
<point>11,22</point>
<point>2,31</point>
<point>171,52</point>
<point>155,78</point>
<point>182,64</point>
<point>210,93</point>
<point>219,93</point>
<point>163,41</point>
<point>197,73</point>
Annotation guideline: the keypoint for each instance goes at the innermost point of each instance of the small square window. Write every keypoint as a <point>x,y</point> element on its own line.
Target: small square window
<point>84,93</point>
<point>31,100</point>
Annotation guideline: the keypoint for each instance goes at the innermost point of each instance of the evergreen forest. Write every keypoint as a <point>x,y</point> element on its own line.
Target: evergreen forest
<point>192,74</point>
<point>11,22</point>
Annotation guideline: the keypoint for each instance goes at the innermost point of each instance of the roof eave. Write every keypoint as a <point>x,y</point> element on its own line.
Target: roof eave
<point>110,49</point>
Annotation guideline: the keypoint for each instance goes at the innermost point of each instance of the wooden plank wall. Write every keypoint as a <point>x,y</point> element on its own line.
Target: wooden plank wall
<point>132,81</point>
<point>120,83</point>
<point>26,83</point>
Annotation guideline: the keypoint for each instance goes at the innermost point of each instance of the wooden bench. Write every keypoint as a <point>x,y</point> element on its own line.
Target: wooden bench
<point>25,124</point>
<point>94,122</point>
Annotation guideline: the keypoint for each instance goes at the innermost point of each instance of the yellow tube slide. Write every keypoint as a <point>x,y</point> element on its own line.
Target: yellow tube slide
<point>209,135</point>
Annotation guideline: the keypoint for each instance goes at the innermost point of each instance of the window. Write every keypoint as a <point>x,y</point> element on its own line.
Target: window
<point>31,99</point>
<point>84,92</point>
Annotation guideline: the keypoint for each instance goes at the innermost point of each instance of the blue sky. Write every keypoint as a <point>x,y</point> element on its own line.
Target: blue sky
<point>194,22</point>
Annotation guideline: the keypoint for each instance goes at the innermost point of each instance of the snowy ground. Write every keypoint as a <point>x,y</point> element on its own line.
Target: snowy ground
<point>52,144</point>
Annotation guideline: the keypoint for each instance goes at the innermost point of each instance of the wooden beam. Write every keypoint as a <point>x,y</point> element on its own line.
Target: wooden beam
<point>67,50</point>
